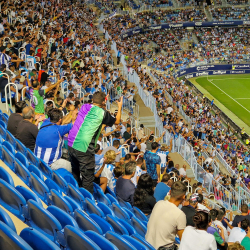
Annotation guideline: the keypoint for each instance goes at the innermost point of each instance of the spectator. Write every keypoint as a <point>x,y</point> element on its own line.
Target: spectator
<point>246,241</point>
<point>196,238</point>
<point>237,234</point>
<point>236,246</point>
<point>127,134</point>
<point>202,204</point>
<point>138,171</point>
<point>26,130</point>
<point>143,197</point>
<point>115,147</point>
<point>244,215</point>
<point>15,118</point>
<point>218,222</point>
<point>125,188</point>
<point>83,136</point>
<point>167,219</point>
<point>153,162</point>
<point>190,209</point>
<point>163,187</point>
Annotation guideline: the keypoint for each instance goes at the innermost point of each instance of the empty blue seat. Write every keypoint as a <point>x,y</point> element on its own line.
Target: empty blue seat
<point>140,228</point>
<point>101,197</point>
<point>139,214</point>
<point>9,147</point>
<point>10,240</point>
<point>11,139</point>
<point>64,218</point>
<point>11,199</point>
<point>102,242</point>
<point>137,244</point>
<point>117,226</point>
<point>76,195</point>
<point>6,176</point>
<point>37,240</point>
<point>58,179</point>
<point>106,209</point>
<point>22,172</point>
<point>120,242</point>
<point>129,228</point>
<point>32,159</point>
<point>59,201</point>
<point>112,198</point>
<point>3,132</point>
<point>92,208</point>
<point>42,220</point>
<point>86,194</point>
<point>39,187</point>
<point>5,118</point>
<point>45,168</point>
<point>3,125</point>
<point>67,176</point>
<point>52,185</point>
<point>85,223</point>
<point>109,191</point>
<point>76,239</point>
<point>20,147</point>
<point>129,212</point>
<point>1,140</point>
<point>123,203</point>
<point>8,158</point>
<point>5,218</point>
<point>120,212</point>
<point>143,241</point>
<point>27,194</point>
<point>22,158</point>
<point>102,223</point>
<point>73,203</point>
<point>36,171</point>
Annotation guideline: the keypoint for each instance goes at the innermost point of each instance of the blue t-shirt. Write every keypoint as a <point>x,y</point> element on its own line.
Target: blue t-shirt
<point>161,191</point>
<point>152,159</point>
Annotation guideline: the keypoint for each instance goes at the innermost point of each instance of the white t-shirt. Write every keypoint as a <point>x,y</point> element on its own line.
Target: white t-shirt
<point>138,172</point>
<point>143,147</point>
<point>165,220</point>
<point>195,239</point>
<point>108,173</point>
<point>237,234</point>
<point>217,222</point>
<point>202,207</point>
<point>182,172</point>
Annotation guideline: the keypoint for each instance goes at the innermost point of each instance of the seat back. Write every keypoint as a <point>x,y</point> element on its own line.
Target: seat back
<point>76,239</point>
<point>22,158</point>
<point>2,123</point>
<point>45,168</point>
<point>101,197</point>
<point>123,203</point>
<point>92,208</point>
<point>67,176</point>
<point>6,176</point>
<point>1,140</point>
<point>117,226</point>
<point>112,198</point>
<point>86,194</point>
<point>137,244</point>
<point>129,228</point>
<point>143,241</point>
<point>119,211</point>
<point>138,226</point>
<point>32,159</point>
<point>9,147</point>
<point>11,139</point>
<point>102,223</point>
<point>58,179</point>
<point>20,147</point>
<point>85,223</point>
<point>8,158</point>
<point>102,242</point>
<point>37,240</point>
<point>52,185</point>
<point>22,172</point>
<point>105,209</point>
<point>11,199</point>
<point>39,187</point>
<point>10,240</point>
<point>42,220</point>
<point>5,118</point>
<point>59,201</point>
<point>2,132</point>
<point>139,214</point>
<point>64,218</point>
<point>73,203</point>
<point>120,242</point>
<point>109,191</point>
<point>76,195</point>
<point>5,218</point>
<point>36,171</point>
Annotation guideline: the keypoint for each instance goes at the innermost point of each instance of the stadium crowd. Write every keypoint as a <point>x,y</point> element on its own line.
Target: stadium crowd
<point>65,70</point>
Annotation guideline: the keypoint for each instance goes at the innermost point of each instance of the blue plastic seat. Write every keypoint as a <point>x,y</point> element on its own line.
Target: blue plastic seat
<point>36,171</point>
<point>42,220</point>
<point>64,218</point>
<point>120,242</point>
<point>138,226</point>
<point>143,241</point>
<point>58,179</point>
<point>105,209</point>
<point>20,147</point>
<point>67,176</point>
<point>9,147</point>
<point>137,244</point>
<point>3,125</point>
<point>86,194</point>
<point>3,132</point>
<point>102,242</point>
<point>129,212</point>
<point>1,140</point>
<point>52,185</point>
<point>22,158</point>
<point>76,239</point>
<point>11,139</point>
<point>39,187</point>
<point>76,195</point>
<point>125,204</point>
<point>73,203</point>
<point>59,201</point>
<point>102,223</point>
<point>129,228</point>
<point>120,212</point>
<point>139,214</point>
<point>4,175</point>
<point>22,172</point>
<point>101,197</point>
<point>5,118</point>
<point>92,208</point>
<point>85,223</point>
<point>8,158</point>
<point>117,226</point>
<point>112,198</point>
<point>109,191</point>
<point>10,240</point>
<point>27,194</point>
<point>37,240</point>
<point>5,218</point>
<point>45,168</point>
<point>32,159</point>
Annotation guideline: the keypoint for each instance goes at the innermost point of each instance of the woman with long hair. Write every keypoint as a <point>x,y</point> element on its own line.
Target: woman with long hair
<point>144,194</point>
<point>197,238</point>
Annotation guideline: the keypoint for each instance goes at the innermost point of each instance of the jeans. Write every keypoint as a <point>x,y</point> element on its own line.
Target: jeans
<point>83,168</point>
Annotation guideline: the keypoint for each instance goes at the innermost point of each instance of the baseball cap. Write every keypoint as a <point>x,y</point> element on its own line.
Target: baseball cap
<point>194,197</point>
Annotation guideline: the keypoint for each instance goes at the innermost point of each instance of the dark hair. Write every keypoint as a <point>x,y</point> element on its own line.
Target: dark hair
<point>151,137</point>
<point>165,178</point>
<point>19,106</point>
<point>99,97</point>
<point>244,224</point>
<point>139,160</point>
<point>154,145</point>
<point>118,171</point>
<point>178,189</point>
<point>71,95</point>
<point>201,220</point>
<point>35,84</point>
<point>244,208</point>
<point>170,164</point>
<point>116,143</point>
<point>55,115</point>
<point>200,198</point>
<point>223,209</point>
<point>220,215</point>
<point>130,167</point>
<point>144,188</point>
<point>97,148</point>
<point>127,157</point>
<point>214,214</point>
